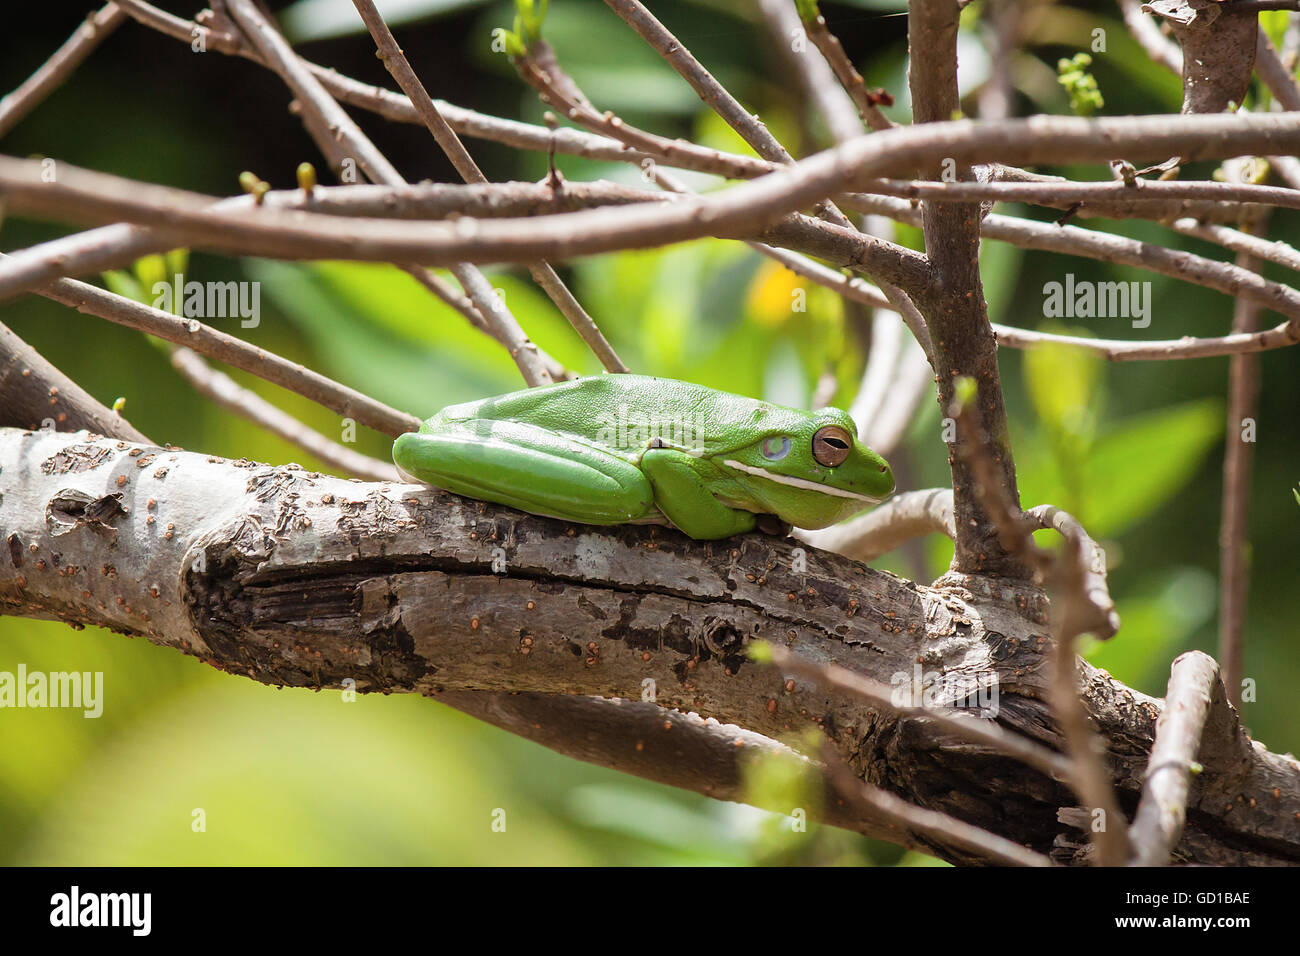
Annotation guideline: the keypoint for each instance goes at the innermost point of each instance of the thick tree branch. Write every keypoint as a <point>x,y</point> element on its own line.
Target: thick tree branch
<point>306,580</point>
<point>954,308</point>
<point>704,756</point>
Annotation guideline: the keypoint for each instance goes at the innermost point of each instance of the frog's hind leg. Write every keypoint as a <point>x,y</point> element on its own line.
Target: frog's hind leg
<point>529,468</point>
<point>684,495</point>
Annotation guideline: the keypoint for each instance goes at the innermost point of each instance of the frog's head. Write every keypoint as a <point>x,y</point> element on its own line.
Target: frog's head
<point>812,472</point>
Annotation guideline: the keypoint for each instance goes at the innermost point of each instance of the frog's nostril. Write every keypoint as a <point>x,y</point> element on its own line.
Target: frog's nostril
<point>884,468</point>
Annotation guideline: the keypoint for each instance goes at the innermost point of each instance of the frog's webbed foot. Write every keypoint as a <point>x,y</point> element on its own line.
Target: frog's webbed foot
<point>772,524</point>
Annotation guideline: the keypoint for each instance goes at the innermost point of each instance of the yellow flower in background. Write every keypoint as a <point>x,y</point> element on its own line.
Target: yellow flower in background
<point>775,295</point>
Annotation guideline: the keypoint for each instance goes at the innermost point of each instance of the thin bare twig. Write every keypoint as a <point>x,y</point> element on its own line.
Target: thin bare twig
<point>1159,47</point>
<point>446,137</point>
<point>749,126</point>
<point>1280,80</point>
<point>1102,198</point>
<point>913,381</point>
<point>734,211</point>
<point>1107,247</point>
<point>881,260</point>
<point>230,395</point>
<point>56,70</point>
<point>398,108</point>
<point>228,40</point>
<point>817,81</point>
<point>1075,610</point>
<point>1001,31</point>
<point>36,394</point>
<point>758,136</point>
<point>866,101</point>
<point>1238,462</point>
<point>845,119</point>
<point>1261,6</point>
<point>540,70</point>
<point>226,348</point>
<point>1114,350</point>
<point>1089,562</point>
<point>912,514</point>
<point>716,96</point>
<point>339,138</point>
<point>889,264</point>
<point>1162,811</point>
<point>874,801</point>
<point>976,730</point>
<point>878,377</point>
<point>1188,347</point>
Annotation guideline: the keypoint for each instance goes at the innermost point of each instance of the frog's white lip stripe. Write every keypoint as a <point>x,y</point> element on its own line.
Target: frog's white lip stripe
<point>798,482</point>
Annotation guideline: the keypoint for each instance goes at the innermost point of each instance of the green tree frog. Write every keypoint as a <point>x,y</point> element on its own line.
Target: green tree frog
<point>624,449</point>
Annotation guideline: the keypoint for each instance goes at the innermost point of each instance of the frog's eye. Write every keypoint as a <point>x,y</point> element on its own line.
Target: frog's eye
<point>831,445</point>
<point>774,449</point>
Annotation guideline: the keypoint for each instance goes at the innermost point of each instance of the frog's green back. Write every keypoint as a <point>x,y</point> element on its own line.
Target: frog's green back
<point>620,411</point>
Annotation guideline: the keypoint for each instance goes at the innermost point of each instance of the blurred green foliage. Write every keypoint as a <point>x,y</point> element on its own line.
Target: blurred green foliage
<point>294,777</point>
<point>1079,84</point>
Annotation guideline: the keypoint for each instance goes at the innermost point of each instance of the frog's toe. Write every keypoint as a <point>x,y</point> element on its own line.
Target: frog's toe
<point>772,524</point>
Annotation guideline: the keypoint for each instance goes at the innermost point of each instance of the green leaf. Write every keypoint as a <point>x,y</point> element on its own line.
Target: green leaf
<point>1274,23</point>
<point>529,22</point>
<point>1063,386</point>
<point>176,261</point>
<point>124,284</point>
<point>1147,460</point>
<point>1079,84</point>
<point>1131,469</point>
<point>1001,270</point>
<point>151,270</point>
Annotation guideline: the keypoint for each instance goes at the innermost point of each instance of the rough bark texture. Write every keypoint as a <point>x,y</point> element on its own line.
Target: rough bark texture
<point>295,578</point>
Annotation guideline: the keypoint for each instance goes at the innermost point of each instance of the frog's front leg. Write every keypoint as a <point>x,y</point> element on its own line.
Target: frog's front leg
<point>682,493</point>
<point>526,467</point>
